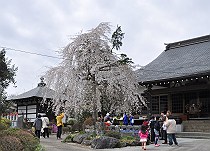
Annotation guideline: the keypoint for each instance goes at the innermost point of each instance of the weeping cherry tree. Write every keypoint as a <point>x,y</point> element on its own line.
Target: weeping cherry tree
<point>93,77</point>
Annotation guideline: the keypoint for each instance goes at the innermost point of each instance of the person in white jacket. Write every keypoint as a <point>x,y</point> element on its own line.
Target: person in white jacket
<point>171,130</point>
<point>45,126</point>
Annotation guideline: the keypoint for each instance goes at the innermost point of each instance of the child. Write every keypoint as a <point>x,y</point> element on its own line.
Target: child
<point>157,131</point>
<point>143,134</point>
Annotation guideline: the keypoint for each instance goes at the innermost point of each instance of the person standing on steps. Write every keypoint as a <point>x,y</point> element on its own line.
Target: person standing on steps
<point>59,124</point>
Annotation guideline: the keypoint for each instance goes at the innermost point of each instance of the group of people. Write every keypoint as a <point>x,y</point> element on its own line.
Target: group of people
<point>41,125</point>
<point>163,125</point>
<point>127,120</point>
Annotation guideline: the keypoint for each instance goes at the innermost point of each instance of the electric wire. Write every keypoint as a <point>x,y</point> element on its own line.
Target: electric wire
<point>49,56</point>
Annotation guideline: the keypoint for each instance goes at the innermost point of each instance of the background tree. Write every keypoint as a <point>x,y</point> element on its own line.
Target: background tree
<point>7,74</point>
<point>92,76</point>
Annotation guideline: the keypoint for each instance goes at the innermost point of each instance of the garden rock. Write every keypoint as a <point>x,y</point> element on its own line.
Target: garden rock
<point>105,142</point>
<point>86,142</point>
<point>79,138</point>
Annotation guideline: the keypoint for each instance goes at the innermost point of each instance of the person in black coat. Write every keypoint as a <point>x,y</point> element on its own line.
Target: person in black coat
<point>151,126</point>
<point>38,125</point>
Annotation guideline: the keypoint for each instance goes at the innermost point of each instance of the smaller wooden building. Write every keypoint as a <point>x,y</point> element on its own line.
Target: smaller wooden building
<point>30,103</point>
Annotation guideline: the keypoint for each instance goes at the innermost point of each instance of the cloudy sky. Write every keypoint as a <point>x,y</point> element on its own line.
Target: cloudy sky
<point>45,27</point>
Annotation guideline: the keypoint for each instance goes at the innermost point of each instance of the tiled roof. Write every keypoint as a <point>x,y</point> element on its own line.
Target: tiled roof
<point>40,91</point>
<point>180,59</point>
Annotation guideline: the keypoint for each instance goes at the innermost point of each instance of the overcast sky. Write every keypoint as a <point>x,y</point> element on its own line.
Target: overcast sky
<point>45,26</point>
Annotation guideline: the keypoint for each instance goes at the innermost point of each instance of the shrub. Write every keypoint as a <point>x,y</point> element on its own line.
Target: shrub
<point>128,139</point>
<point>77,127</point>
<point>89,121</point>
<point>113,134</point>
<point>28,141</point>
<point>10,143</point>
<point>4,124</point>
<point>71,121</point>
<point>69,138</point>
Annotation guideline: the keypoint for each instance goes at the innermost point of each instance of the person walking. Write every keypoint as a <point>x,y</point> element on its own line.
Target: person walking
<point>45,126</point>
<point>171,130</point>
<point>38,125</point>
<point>143,134</point>
<point>59,124</point>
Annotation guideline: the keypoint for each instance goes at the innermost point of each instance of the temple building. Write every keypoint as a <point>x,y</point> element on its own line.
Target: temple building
<point>179,79</point>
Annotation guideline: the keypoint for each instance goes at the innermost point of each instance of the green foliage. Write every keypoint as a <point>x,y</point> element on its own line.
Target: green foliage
<point>39,148</point>
<point>124,60</point>
<point>28,141</point>
<point>81,132</point>
<point>117,37</point>
<point>71,121</point>
<point>113,134</point>
<point>4,123</point>
<point>69,138</point>
<point>128,139</point>
<point>7,74</point>
<point>83,116</point>
<point>7,71</point>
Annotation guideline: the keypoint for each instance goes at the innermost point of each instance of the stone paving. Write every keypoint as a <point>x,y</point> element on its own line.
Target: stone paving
<point>185,144</point>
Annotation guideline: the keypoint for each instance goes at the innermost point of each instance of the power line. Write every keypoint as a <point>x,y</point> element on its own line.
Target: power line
<point>32,53</point>
<point>43,55</point>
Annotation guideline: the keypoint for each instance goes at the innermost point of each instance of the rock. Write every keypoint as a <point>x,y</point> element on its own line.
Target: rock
<point>105,142</point>
<point>79,138</point>
<point>86,142</point>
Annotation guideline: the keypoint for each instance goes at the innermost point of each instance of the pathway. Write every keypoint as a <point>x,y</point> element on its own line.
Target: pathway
<point>185,144</point>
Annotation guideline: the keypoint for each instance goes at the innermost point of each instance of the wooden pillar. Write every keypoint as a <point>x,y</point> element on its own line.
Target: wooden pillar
<point>169,102</point>
<point>184,103</point>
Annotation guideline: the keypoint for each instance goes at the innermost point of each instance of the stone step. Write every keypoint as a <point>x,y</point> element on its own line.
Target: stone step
<point>196,126</point>
<point>195,135</point>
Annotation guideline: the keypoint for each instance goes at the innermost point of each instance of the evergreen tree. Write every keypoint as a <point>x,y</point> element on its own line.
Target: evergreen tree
<point>7,74</point>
